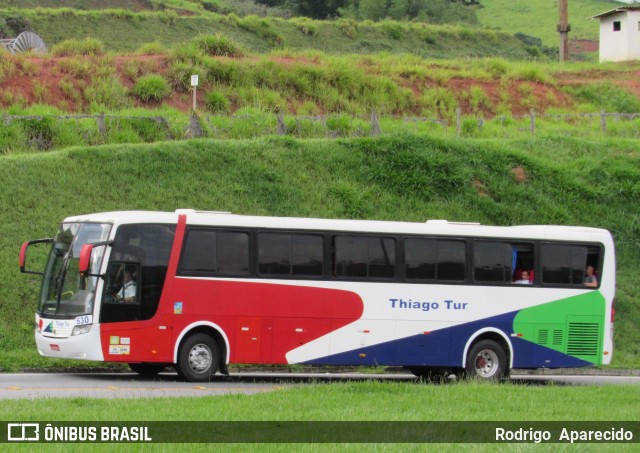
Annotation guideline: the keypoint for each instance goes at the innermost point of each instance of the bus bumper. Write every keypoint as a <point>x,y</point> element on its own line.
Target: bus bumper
<point>84,347</point>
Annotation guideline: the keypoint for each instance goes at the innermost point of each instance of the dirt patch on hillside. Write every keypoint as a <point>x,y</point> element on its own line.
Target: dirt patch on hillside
<point>580,46</point>
<point>63,81</point>
<point>519,174</point>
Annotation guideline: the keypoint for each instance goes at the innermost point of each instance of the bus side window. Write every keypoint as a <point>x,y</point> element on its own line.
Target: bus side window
<point>434,259</point>
<point>567,264</point>
<point>216,252</point>
<point>364,257</point>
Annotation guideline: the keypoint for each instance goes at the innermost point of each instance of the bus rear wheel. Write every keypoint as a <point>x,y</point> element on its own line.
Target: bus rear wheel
<point>198,358</point>
<point>147,369</point>
<point>486,360</point>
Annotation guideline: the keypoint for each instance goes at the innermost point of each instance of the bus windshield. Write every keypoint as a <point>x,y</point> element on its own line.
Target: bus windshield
<point>64,292</point>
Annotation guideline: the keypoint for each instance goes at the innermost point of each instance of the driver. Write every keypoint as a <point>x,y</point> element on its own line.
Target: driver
<point>128,291</point>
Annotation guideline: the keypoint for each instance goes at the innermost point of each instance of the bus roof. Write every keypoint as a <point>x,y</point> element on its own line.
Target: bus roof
<point>435,227</point>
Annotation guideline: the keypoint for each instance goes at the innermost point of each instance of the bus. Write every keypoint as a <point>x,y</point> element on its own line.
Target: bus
<point>199,291</point>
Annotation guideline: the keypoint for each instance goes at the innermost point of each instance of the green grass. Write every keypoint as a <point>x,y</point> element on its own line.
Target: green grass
<point>361,401</point>
<point>587,182</point>
<point>539,18</point>
<point>122,30</point>
<point>394,401</point>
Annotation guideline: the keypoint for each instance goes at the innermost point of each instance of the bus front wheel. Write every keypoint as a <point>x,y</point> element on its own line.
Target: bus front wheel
<point>486,360</point>
<point>198,358</point>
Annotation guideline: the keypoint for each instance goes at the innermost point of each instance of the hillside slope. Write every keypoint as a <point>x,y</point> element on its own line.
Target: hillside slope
<point>405,178</point>
<point>539,18</point>
<point>123,30</point>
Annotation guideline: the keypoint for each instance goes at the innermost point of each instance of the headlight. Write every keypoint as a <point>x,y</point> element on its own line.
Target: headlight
<point>80,330</point>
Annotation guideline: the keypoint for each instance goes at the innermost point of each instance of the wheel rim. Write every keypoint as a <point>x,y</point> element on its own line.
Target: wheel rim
<point>200,358</point>
<point>487,363</point>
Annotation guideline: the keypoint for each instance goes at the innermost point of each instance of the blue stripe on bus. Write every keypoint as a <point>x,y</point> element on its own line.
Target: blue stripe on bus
<point>445,348</point>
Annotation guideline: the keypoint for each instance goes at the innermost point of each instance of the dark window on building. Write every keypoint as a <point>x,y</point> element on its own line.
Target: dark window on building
<point>434,259</point>
<point>492,261</point>
<point>566,264</point>
<point>216,252</point>
<point>364,257</point>
<point>290,254</point>
<point>617,25</point>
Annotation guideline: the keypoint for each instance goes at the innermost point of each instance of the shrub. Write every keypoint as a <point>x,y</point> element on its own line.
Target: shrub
<point>152,48</point>
<point>393,29</point>
<point>216,102</point>
<point>188,53</point>
<point>607,96</point>
<point>151,87</point>
<point>41,133</point>
<point>218,45</point>
<point>180,76</point>
<point>262,28</point>
<point>87,46</point>
<point>12,137</point>
<point>107,91</point>
<point>305,25</point>
<point>348,26</point>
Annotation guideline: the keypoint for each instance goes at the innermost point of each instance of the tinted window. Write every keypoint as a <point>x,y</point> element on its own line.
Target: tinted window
<point>564,264</point>
<point>358,256</point>
<point>492,261</point>
<point>290,254</point>
<point>434,259</point>
<point>218,252</point>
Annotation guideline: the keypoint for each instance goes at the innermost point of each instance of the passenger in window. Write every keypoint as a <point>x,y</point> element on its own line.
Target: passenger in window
<point>590,278</point>
<point>524,279</point>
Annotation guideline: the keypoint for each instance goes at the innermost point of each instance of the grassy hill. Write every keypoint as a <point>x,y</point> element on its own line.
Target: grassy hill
<point>539,18</point>
<point>123,30</point>
<point>403,177</point>
<point>124,25</point>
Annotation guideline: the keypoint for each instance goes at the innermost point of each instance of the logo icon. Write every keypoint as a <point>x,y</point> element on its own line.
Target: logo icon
<point>23,432</point>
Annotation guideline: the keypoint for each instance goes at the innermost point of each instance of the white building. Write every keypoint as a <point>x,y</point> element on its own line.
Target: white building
<point>620,34</point>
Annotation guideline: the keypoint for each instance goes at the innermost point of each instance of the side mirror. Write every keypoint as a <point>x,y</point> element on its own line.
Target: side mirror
<point>84,260</point>
<point>23,254</point>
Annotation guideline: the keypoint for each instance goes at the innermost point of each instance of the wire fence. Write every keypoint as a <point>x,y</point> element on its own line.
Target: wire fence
<point>41,130</point>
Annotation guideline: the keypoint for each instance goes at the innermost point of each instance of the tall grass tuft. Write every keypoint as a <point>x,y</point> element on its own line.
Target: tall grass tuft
<point>151,87</point>
<point>216,102</point>
<point>70,47</point>
<point>218,45</point>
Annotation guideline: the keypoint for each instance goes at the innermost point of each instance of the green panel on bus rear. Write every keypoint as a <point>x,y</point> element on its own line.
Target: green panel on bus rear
<point>573,326</point>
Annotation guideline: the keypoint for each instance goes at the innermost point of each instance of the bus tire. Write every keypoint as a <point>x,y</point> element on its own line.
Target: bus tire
<point>147,369</point>
<point>198,358</point>
<point>486,360</point>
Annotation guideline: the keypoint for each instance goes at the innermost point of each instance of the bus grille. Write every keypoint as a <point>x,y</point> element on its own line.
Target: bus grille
<point>583,339</point>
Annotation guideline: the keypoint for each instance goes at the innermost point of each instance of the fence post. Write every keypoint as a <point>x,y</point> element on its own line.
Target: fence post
<point>163,122</point>
<point>375,125</point>
<point>195,128</point>
<point>281,129</point>
<point>458,121</point>
<point>532,116</point>
<point>102,128</point>
<point>603,122</point>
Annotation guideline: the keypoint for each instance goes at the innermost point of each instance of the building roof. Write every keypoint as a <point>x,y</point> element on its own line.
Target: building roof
<point>620,9</point>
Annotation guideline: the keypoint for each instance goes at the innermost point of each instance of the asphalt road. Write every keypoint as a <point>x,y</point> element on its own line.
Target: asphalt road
<point>129,385</point>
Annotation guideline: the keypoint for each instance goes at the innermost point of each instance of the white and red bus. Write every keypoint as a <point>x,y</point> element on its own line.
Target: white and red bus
<point>201,290</point>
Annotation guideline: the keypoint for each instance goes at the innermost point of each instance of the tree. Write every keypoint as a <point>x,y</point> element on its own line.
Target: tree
<point>373,9</point>
<point>398,9</point>
<point>317,9</point>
